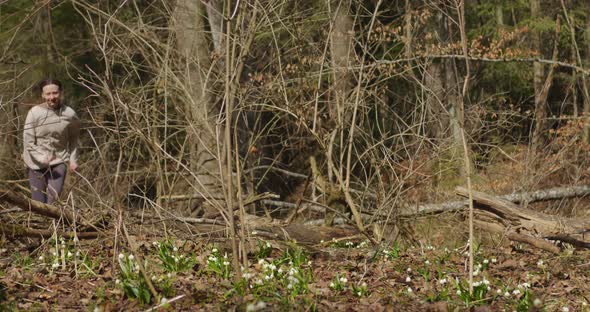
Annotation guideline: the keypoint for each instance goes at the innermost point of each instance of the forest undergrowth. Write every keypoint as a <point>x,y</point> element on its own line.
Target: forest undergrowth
<point>341,275</point>
<point>427,271</point>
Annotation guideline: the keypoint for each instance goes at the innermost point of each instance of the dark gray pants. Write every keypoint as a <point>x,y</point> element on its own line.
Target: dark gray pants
<point>47,184</point>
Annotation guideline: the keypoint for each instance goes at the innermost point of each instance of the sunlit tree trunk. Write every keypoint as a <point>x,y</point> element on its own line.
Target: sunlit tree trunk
<point>499,14</point>
<point>341,50</point>
<point>215,18</point>
<point>192,45</point>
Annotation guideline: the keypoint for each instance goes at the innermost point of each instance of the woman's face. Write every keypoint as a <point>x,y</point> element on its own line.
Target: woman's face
<point>51,94</point>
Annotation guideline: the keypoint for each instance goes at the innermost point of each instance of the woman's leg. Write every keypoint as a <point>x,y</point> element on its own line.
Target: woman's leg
<point>38,182</point>
<point>55,182</point>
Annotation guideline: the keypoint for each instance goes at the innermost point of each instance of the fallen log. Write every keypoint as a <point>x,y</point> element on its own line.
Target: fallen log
<point>524,224</point>
<point>528,197</point>
<point>11,230</point>
<point>40,208</point>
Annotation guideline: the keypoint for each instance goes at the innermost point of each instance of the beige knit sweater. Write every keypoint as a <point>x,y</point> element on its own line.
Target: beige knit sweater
<point>50,132</point>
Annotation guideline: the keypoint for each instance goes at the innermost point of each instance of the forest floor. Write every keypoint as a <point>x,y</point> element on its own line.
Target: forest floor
<point>347,275</point>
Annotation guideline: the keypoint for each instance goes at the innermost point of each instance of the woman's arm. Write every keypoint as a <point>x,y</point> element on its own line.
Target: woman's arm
<point>37,152</point>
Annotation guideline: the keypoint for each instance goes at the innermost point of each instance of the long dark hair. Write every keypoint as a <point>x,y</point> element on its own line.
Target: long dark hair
<point>46,82</point>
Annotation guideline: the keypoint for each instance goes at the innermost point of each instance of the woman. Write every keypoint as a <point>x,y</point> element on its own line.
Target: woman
<point>50,140</point>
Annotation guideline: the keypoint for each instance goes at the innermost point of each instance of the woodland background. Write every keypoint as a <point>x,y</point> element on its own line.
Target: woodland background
<point>359,112</point>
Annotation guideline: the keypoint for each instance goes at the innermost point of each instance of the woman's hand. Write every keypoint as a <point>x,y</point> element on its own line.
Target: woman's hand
<point>49,158</point>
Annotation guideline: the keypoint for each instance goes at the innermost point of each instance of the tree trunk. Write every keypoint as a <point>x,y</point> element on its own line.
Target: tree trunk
<point>499,15</point>
<point>215,18</point>
<point>201,112</point>
<point>586,84</point>
<point>538,81</point>
<point>341,50</point>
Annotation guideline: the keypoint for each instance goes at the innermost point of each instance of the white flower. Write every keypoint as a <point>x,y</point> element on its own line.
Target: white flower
<point>131,257</point>
<point>117,281</point>
<point>343,280</point>
<point>506,294</point>
<point>169,275</point>
<point>332,285</point>
<point>499,291</point>
<point>485,281</point>
<point>268,245</point>
<point>212,258</point>
<point>267,277</point>
<point>258,281</point>
<point>248,275</point>
<point>476,273</point>
<point>516,292</point>
<point>155,243</point>
<point>40,258</point>
<point>55,265</point>
<point>364,284</point>
<point>427,262</point>
<point>225,263</point>
<point>565,309</point>
<point>77,253</point>
<point>537,302</point>
<point>442,281</point>
<point>154,278</point>
<point>409,270</point>
<point>458,292</point>
<point>175,248</point>
<point>309,262</point>
<point>410,290</point>
<point>494,260</point>
<point>163,300</point>
<point>214,250</point>
<point>408,279</point>
<point>121,256</point>
<point>290,286</point>
<point>69,254</point>
<point>486,261</point>
<point>524,285</point>
<point>280,270</point>
<point>261,261</point>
